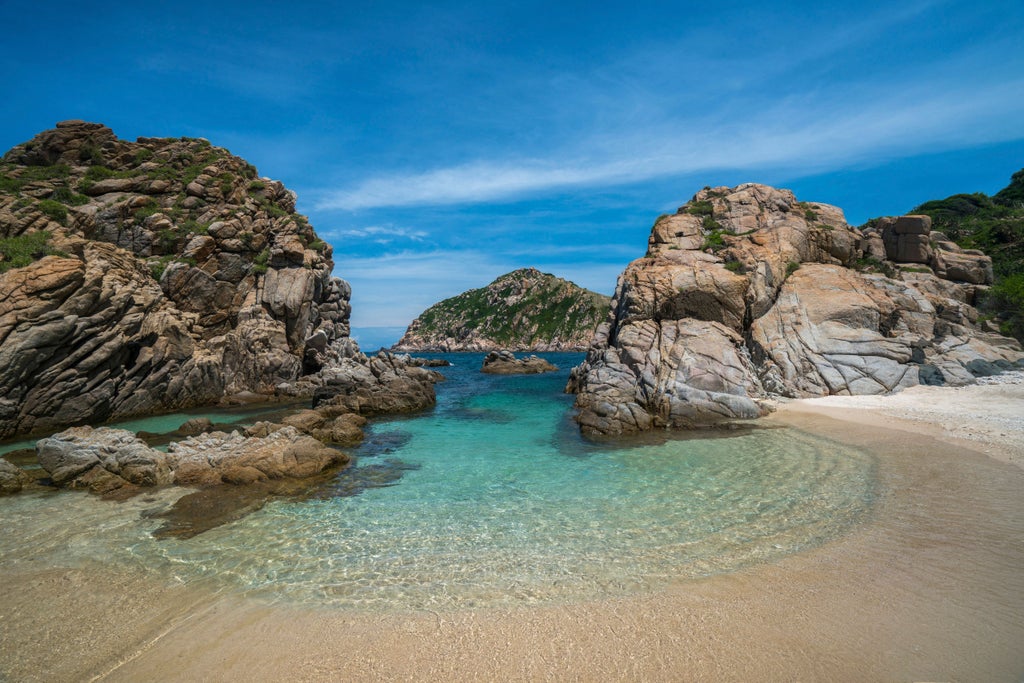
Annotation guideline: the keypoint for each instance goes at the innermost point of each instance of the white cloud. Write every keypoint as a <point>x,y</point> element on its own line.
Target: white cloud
<point>812,131</point>
<point>382,234</point>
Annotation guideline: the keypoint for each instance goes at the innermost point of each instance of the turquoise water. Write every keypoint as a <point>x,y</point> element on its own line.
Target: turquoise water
<point>493,498</point>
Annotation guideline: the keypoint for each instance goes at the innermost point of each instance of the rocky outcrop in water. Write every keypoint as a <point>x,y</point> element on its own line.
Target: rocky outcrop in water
<point>155,275</point>
<point>104,460</point>
<point>381,384</point>
<point>525,310</point>
<point>746,293</point>
<point>506,363</point>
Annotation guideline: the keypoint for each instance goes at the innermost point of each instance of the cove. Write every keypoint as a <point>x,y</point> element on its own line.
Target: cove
<point>492,498</point>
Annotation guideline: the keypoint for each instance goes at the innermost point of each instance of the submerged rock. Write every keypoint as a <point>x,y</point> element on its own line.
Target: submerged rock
<point>12,477</point>
<point>746,293</point>
<point>506,363</point>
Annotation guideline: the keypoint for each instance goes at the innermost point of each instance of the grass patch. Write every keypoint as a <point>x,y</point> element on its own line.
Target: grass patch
<point>54,210</point>
<point>792,267</point>
<point>700,208</point>
<point>23,250</point>
<point>259,264</point>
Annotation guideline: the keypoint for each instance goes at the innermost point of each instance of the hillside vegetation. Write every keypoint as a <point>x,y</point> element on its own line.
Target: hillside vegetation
<point>525,310</point>
<point>994,225</point>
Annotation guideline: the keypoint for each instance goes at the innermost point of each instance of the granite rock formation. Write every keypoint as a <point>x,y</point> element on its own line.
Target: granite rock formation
<point>161,274</point>
<point>505,363</point>
<point>525,310</point>
<point>104,460</point>
<point>746,293</point>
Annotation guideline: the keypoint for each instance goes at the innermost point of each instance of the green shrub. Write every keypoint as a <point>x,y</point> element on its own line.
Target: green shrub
<point>142,155</point>
<point>91,154</point>
<point>100,173</point>
<point>1005,302</point>
<point>20,251</point>
<point>65,195</point>
<point>713,241</point>
<point>54,210</point>
<point>259,264</point>
<point>318,245</point>
<point>735,267</point>
<point>792,267</point>
<point>257,186</point>
<point>700,208</point>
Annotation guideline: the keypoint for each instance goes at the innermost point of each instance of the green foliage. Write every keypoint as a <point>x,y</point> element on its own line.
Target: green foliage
<point>714,241</point>
<point>1005,301</point>
<point>90,154</point>
<point>54,210</point>
<point>870,264</point>
<point>249,171</point>
<point>20,251</point>
<point>10,185</point>
<point>735,267</point>
<point>146,210</point>
<point>65,195</point>
<point>318,245</point>
<point>700,208</point>
<point>54,172</point>
<point>257,186</point>
<point>994,225</point>
<point>792,267</point>
<point>259,264</point>
<point>157,267</point>
<point>142,155</point>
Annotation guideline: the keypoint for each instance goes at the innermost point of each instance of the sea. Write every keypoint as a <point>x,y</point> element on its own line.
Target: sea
<point>491,498</point>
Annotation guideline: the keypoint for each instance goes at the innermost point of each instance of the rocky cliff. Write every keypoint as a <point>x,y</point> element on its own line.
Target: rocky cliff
<point>140,277</point>
<point>525,310</point>
<point>747,293</point>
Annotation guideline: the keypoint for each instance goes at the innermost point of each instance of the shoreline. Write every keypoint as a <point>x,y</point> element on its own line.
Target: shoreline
<point>927,588</point>
<point>987,417</point>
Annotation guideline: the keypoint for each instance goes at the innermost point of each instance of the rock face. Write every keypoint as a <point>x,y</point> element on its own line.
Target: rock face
<point>174,277</point>
<point>505,363</point>
<point>525,310</point>
<point>746,293</point>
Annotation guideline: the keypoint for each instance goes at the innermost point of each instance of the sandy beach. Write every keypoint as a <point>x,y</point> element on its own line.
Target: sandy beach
<point>928,588</point>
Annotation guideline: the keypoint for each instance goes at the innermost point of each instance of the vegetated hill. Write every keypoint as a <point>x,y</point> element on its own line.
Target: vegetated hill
<point>994,225</point>
<point>525,310</point>
<point>139,277</point>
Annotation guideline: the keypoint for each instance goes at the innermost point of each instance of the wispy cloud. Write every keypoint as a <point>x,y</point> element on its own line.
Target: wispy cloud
<point>381,234</point>
<point>818,135</point>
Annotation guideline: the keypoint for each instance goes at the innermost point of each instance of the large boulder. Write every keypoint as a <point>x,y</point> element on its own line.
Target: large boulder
<point>747,294</point>
<point>215,458</point>
<point>101,459</point>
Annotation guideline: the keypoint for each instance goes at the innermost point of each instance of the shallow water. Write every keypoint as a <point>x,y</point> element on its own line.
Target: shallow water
<point>491,498</point>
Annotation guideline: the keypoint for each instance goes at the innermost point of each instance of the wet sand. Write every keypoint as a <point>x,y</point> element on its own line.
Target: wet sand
<point>930,587</point>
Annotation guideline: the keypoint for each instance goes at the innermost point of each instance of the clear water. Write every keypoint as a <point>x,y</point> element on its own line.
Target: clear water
<point>499,501</point>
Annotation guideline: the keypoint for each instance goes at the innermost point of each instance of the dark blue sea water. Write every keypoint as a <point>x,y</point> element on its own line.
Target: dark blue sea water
<point>493,498</point>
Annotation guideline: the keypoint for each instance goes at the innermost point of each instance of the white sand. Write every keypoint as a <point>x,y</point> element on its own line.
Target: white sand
<point>987,417</point>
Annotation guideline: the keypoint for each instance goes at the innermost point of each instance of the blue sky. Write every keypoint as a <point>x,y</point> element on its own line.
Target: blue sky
<point>438,145</point>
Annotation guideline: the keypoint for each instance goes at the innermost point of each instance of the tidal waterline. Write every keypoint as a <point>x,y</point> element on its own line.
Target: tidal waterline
<point>490,499</point>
